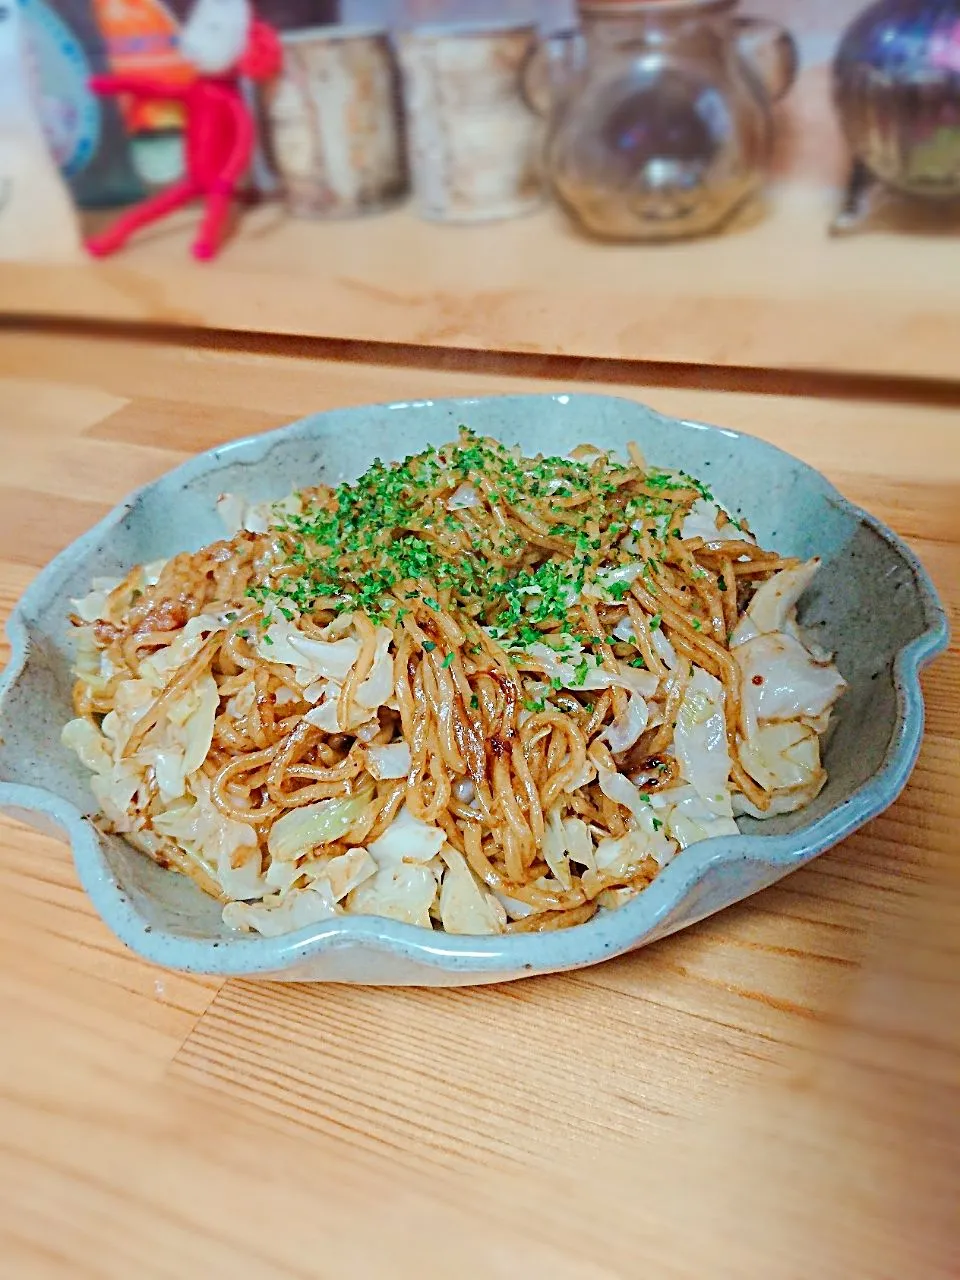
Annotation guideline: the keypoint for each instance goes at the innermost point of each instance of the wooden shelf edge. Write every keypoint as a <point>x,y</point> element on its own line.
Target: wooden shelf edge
<point>781,296</point>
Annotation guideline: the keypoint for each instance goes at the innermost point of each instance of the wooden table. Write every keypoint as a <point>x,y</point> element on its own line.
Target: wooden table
<point>772,1095</point>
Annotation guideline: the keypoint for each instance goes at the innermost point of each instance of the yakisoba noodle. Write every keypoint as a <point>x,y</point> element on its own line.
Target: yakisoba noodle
<point>473,691</point>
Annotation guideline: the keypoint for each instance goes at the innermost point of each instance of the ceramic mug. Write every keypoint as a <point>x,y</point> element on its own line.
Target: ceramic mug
<point>475,145</point>
<point>334,122</point>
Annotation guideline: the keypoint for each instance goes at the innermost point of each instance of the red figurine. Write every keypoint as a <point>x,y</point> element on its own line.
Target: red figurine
<point>224,41</point>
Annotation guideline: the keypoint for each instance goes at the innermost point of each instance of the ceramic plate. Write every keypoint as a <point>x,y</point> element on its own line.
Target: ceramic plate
<point>872,604</point>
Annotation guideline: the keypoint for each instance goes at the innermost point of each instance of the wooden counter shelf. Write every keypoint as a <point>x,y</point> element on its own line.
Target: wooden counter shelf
<point>776,294</point>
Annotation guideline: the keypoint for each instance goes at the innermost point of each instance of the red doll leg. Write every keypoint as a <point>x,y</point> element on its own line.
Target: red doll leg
<point>215,215</point>
<point>222,188</point>
<point>141,215</point>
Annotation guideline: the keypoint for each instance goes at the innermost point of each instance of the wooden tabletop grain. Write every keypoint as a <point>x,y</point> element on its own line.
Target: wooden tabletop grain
<point>777,293</point>
<point>772,1095</point>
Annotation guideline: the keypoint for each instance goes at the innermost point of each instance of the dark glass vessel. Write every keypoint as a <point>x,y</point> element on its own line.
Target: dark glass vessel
<point>897,90</point>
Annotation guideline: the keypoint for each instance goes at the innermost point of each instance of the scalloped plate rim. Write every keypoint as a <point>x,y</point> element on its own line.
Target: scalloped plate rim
<point>608,934</point>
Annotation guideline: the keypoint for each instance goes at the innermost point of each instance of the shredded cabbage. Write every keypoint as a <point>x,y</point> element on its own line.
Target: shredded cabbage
<point>342,873</point>
<point>782,681</point>
<point>623,859</point>
<point>400,891</point>
<point>83,737</point>
<point>388,762</point>
<point>623,733</point>
<point>710,522</point>
<point>407,840</point>
<point>237,513</point>
<point>690,816</point>
<point>464,906</point>
<point>114,793</point>
<point>131,702</point>
<point>782,756</point>
<point>648,828</point>
<point>226,848</point>
<point>774,604</point>
<point>668,655</point>
<point>178,745</point>
<point>312,659</point>
<point>621,790</point>
<point>665,650</point>
<point>278,914</point>
<point>785,759</point>
<point>378,686</point>
<point>555,849</point>
<point>463,497</point>
<point>700,737</point>
<point>577,670</point>
<point>300,830</point>
<point>622,574</point>
<point>324,716</point>
<point>578,842</point>
<point>93,606</point>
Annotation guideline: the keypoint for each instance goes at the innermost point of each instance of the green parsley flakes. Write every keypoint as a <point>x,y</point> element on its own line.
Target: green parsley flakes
<point>522,556</point>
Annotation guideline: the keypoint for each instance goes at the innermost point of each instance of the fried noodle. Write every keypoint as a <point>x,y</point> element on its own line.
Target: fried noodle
<point>499,691</point>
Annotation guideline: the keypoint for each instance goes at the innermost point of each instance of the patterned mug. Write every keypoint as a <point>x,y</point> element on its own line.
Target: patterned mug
<point>335,123</point>
<point>475,145</point>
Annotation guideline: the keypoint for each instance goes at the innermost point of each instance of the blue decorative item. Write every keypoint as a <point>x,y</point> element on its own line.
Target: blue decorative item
<point>86,137</point>
<point>897,89</point>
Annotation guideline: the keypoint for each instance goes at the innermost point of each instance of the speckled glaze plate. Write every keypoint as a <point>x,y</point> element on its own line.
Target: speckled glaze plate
<point>872,604</point>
